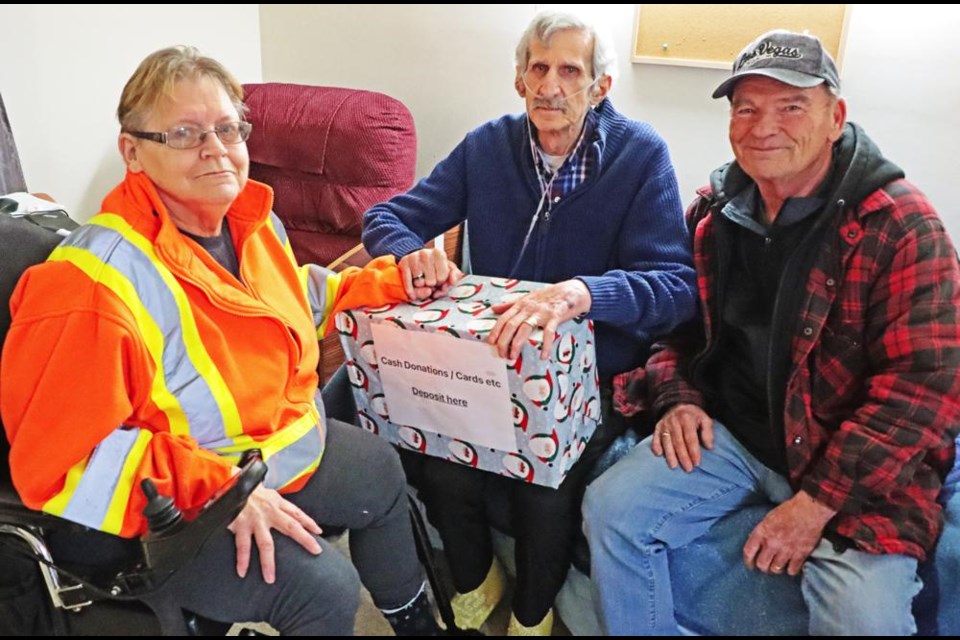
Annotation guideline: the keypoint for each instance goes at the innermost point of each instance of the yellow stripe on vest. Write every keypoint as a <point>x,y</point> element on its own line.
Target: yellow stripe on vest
<point>191,336</point>
<point>110,277</point>
<point>58,503</point>
<point>279,442</point>
<point>332,286</point>
<point>113,521</point>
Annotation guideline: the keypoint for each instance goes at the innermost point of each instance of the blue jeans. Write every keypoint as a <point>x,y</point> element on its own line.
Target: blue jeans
<point>640,508</point>
<point>943,572</point>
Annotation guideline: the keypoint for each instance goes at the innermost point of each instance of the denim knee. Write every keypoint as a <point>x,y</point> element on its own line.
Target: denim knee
<point>603,507</point>
<point>858,593</point>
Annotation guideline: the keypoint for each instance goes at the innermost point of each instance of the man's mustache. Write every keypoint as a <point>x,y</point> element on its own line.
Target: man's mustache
<point>550,103</point>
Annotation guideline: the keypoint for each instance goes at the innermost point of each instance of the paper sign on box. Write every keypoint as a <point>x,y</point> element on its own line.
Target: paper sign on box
<point>425,378</point>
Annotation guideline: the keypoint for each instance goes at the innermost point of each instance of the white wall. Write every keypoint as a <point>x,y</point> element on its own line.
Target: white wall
<point>899,77</point>
<point>453,67</point>
<point>63,68</point>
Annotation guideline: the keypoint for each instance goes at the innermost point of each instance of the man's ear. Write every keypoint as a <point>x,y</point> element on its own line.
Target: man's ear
<point>519,86</point>
<point>600,90</point>
<point>839,117</point>
<point>128,151</point>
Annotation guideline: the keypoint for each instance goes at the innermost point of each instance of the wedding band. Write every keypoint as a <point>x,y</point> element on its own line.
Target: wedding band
<point>664,434</point>
<point>777,569</point>
<point>533,321</point>
<point>419,276</point>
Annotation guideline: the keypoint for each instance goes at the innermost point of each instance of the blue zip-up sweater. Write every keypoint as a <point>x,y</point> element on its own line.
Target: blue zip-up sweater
<point>621,232</point>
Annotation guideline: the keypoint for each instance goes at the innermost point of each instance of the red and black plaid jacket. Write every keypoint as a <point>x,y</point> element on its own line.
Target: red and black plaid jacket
<point>873,393</point>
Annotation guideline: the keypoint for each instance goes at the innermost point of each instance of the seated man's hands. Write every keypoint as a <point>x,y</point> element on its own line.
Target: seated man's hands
<point>427,273</point>
<point>679,434</point>
<point>787,536</point>
<point>548,308</point>
<point>265,510</point>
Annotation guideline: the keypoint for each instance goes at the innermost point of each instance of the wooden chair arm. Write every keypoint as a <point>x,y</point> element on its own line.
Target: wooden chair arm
<point>355,257</point>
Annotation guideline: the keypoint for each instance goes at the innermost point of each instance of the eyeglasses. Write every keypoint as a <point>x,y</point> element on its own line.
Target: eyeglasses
<point>570,77</point>
<point>187,137</point>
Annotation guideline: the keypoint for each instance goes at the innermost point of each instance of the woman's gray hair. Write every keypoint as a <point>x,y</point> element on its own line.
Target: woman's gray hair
<point>157,76</point>
<point>546,23</point>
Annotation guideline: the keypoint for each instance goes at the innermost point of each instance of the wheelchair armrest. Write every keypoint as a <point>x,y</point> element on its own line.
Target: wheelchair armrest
<point>167,551</point>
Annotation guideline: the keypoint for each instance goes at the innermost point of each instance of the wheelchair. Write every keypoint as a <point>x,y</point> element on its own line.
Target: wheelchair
<point>94,583</point>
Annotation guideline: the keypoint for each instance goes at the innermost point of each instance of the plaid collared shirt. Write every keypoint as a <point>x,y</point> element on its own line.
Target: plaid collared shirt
<point>579,165</point>
<point>873,396</point>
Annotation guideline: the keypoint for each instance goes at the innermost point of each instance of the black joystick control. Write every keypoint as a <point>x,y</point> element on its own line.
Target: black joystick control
<point>161,513</point>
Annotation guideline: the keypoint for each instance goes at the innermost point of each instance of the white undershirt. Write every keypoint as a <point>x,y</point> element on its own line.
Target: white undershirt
<point>554,162</point>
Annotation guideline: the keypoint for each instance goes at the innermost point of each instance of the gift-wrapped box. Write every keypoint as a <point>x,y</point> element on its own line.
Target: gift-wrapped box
<point>425,379</point>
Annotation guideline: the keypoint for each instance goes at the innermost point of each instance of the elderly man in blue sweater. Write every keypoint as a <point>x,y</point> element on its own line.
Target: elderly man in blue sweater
<point>571,193</point>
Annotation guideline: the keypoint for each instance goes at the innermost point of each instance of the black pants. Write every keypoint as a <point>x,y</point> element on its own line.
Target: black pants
<point>545,522</point>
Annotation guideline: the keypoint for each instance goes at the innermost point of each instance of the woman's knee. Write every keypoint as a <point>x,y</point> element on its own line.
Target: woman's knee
<point>317,595</point>
<point>378,454</point>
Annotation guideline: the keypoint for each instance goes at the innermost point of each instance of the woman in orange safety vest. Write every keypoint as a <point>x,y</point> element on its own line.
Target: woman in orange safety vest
<point>173,332</point>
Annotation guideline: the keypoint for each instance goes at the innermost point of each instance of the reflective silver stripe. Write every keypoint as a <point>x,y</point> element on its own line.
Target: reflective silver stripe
<point>294,459</point>
<point>318,281</point>
<point>91,499</point>
<point>182,378</point>
<point>289,453</point>
<point>277,225</point>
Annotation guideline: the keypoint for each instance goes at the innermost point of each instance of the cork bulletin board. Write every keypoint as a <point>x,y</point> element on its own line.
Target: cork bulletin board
<point>711,35</point>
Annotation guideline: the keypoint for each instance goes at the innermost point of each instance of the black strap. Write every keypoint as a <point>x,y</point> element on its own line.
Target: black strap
<point>425,552</point>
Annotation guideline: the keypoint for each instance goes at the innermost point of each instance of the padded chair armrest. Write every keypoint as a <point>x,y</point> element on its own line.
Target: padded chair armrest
<point>329,153</point>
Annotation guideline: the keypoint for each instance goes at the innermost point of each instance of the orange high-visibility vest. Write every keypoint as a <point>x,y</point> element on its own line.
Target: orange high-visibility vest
<point>134,354</point>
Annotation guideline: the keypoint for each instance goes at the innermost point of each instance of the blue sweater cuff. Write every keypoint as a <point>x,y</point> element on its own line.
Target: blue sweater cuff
<point>605,302</point>
<point>405,246</point>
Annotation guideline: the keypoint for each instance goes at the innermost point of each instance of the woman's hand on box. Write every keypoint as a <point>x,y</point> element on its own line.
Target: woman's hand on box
<point>546,308</point>
<point>427,273</point>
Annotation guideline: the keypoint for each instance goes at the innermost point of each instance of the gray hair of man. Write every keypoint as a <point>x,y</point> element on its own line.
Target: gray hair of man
<point>546,23</point>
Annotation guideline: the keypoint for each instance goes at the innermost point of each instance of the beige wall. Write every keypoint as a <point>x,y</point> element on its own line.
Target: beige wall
<point>453,66</point>
<point>63,68</point>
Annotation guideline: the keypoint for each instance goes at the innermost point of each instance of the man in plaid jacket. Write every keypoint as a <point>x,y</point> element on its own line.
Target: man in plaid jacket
<point>822,376</point>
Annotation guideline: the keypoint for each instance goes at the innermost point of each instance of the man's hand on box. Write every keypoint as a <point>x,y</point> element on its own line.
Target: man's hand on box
<point>427,273</point>
<point>547,308</point>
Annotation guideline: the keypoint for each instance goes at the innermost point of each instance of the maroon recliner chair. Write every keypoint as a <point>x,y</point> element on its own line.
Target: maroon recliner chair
<point>330,154</point>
